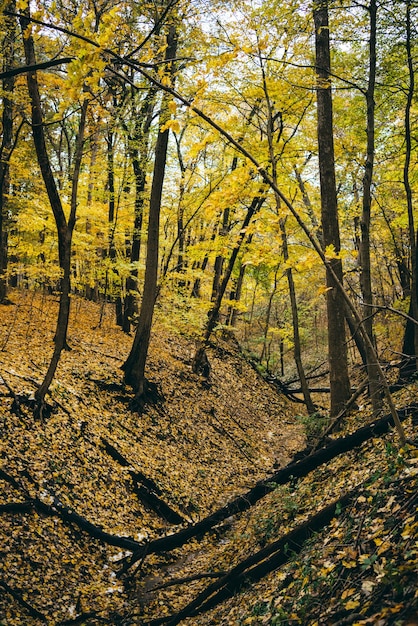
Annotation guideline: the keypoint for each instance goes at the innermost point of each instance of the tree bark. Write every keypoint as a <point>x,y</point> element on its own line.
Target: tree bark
<point>365,262</point>
<point>337,347</point>
<point>134,366</point>
<point>410,343</point>
<point>297,352</point>
<point>6,146</point>
<point>64,228</point>
<point>138,150</point>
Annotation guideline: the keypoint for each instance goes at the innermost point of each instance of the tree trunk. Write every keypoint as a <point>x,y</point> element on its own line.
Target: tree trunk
<point>365,263</point>
<point>220,259</point>
<point>134,366</point>
<point>112,273</point>
<point>297,352</point>
<point>408,365</point>
<point>236,293</point>
<point>337,348</point>
<point>410,343</point>
<point>64,228</point>
<point>138,150</point>
<point>6,143</point>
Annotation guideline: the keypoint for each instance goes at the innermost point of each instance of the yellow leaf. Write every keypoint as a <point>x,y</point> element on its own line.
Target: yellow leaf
<point>351,604</point>
<point>364,557</point>
<point>173,124</point>
<point>330,252</point>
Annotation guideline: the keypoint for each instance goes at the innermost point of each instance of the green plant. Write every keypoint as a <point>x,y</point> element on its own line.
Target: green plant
<point>313,424</point>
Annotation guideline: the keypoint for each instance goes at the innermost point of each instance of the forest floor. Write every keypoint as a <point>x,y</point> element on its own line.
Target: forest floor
<point>87,491</point>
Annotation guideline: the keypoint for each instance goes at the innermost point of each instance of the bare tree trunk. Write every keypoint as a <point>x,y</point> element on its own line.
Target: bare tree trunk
<point>337,348</point>
<point>134,366</point>
<point>6,146</point>
<point>138,150</point>
<point>237,291</point>
<point>220,259</point>
<point>365,264</point>
<point>297,352</point>
<point>410,342</point>
<point>64,228</point>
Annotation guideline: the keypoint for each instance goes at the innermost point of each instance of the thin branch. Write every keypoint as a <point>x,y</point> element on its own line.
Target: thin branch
<point>187,579</point>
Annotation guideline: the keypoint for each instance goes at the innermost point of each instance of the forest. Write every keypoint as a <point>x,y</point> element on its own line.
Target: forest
<point>208,312</point>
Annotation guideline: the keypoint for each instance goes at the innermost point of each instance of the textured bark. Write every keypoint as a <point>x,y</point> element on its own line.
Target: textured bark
<point>337,347</point>
<point>373,373</point>
<point>138,150</point>
<point>410,344</point>
<point>408,366</point>
<point>6,146</point>
<point>134,366</point>
<point>64,228</point>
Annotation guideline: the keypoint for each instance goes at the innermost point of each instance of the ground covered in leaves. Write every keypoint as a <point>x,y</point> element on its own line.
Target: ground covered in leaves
<point>86,491</point>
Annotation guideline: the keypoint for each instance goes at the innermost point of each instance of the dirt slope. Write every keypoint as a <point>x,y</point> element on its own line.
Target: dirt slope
<point>93,457</point>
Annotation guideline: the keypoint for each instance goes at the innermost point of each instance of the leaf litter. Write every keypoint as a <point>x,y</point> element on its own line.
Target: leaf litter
<point>200,447</point>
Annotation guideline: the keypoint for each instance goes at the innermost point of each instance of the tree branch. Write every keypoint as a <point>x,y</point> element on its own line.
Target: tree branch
<point>33,68</point>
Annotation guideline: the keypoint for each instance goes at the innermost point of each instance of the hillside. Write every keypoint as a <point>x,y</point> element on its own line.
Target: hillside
<point>94,483</point>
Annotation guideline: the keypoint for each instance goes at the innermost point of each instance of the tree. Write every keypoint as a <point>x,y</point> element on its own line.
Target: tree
<point>138,145</point>
<point>6,146</point>
<point>337,348</point>
<point>410,341</point>
<point>64,227</point>
<point>365,263</point>
<point>134,366</point>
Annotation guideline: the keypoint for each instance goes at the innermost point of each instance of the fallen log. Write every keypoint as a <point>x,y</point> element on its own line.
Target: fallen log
<point>256,566</point>
<point>317,390</point>
<point>16,507</point>
<point>146,489</point>
<point>33,612</point>
<point>56,508</point>
<point>294,470</point>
